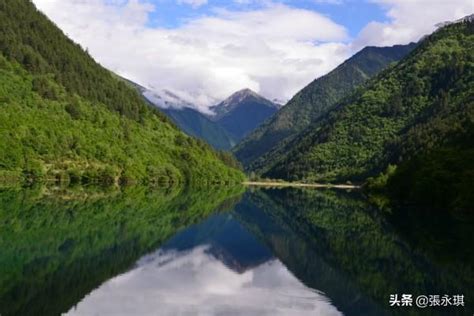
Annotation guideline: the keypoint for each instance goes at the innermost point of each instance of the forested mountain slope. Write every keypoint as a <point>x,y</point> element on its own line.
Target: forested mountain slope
<point>198,125</point>
<point>186,117</point>
<point>312,102</point>
<point>242,112</point>
<point>64,116</point>
<point>418,114</point>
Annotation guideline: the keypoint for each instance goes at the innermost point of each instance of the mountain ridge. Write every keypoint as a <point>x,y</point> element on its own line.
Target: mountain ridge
<point>312,101</point>
<point>187,117</point>
<point>235,99</point>
<point>412,126</point>
<point>242,112</point>
<point>196,124</point>
<point>226,122</point>
<point>66,118</point>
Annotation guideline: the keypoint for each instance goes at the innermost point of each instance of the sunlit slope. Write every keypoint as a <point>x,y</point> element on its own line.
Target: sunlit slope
<point>64,116</point>
<point>414,108</point>
<point>259,148</point>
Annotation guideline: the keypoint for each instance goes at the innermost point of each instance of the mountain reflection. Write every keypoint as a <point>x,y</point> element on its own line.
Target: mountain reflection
<point>59,244</point>
<point>358,255</point>
<point>196,282</point>
<point>138,251</point>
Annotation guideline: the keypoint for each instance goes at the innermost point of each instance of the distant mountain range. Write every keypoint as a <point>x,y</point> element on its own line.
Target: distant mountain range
<point>188,118</point>
<point>242,112</point>
<point>233,118</point>
<point>257,150</point>
<point>198,125</point>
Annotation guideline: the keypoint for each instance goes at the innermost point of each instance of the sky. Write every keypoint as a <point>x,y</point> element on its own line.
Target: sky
<point>204,50</point>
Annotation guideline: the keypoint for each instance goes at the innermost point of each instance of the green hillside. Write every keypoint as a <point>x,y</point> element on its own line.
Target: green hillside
<point>190,121</point>
<point>256,150</point>
<point>198,125</point>
<point>419,110</point>
<point>63,116</point>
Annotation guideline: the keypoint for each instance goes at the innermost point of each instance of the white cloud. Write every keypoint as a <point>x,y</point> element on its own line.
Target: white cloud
<point>409,20</point>
<point>193,3</point>
<point>196,283</point>
<point>274,50</point>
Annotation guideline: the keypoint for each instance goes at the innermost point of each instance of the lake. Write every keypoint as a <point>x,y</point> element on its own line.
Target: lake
<point>226,251</point>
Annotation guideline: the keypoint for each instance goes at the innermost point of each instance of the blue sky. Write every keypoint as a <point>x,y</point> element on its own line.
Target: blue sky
<point>204,50</point>
<point>353,14</point>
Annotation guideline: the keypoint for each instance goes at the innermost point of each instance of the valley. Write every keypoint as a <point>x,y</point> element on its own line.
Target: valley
<point>226,124</point>
<point>284,158</point>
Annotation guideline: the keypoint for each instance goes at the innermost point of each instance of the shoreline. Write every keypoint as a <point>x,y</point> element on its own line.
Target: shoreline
<point>301,185</point>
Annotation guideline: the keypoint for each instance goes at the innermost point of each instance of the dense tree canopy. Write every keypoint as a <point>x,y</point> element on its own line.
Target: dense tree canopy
<point>422,103</point>
<point>417,115</point>
<point>259,149</point>
<point>65,117</point>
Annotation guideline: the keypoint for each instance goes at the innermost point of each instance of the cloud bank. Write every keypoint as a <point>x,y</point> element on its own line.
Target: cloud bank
<point>274,49</point>
<point>411,19</point>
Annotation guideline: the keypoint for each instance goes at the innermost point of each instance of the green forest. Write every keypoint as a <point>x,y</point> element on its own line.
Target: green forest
<point>399,119</point>
<point>261,147</point>
<point>417,115</point>
<point>96,179</point>
<point>64,117</point>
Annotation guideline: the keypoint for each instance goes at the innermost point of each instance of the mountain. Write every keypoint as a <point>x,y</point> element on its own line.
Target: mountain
<point>189,120</point>
<point>417,115</point>
<point>234,117</point>
<point>242,112</point>
<point>163,99</point>
<point>65,117</point>
<point>255,151</point>
<point>196,124</point>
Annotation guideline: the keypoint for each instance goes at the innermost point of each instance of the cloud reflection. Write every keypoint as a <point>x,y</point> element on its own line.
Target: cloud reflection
<point>196,283</point>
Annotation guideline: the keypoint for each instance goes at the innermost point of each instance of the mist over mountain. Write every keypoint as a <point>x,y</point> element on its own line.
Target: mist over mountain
<point>224,124</point>
<point>186,116</point>
<point>165,99</point>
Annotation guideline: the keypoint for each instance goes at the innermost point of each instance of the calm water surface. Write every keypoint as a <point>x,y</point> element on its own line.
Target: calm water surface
<point>136,251</point>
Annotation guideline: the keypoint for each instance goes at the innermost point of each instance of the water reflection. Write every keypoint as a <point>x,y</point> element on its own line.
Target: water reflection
<point>217,268</point>
<point>358,255</point>
<point>185,282</point>
<point>287,252</point>
<point>57,245</point>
